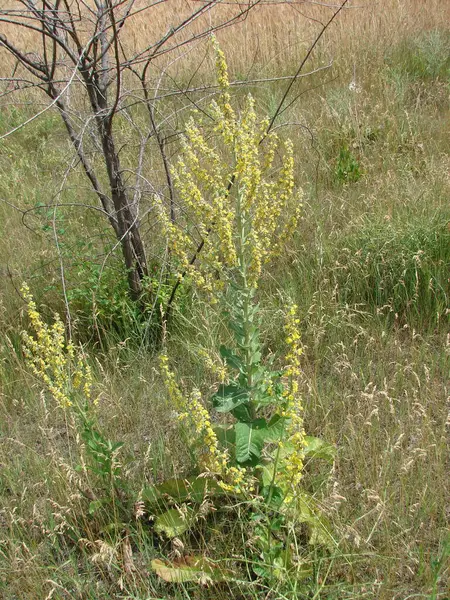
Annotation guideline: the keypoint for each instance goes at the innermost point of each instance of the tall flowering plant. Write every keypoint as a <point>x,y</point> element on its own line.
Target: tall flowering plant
<point>235,183</point>
<point>229,196</point>
<point>243,203</point>
<point>66,376</point>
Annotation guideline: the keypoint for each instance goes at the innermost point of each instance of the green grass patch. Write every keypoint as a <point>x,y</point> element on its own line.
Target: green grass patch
<point>399,268</point>
<point>423,57</point>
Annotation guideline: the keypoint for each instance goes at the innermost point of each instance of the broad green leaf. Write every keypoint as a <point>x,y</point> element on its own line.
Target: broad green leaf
<point>274,496</point>
<point>175,522</point>
<point>228,397</point>
<point>266,473</point>
<point>178,490</point>
<point>276,428</point>
<point>317,448</point>
<point>286,449</point>
<point>116,446</point>
<point>238,330</point>
<point>242,413</point>
<point>232,359</point>
<point>151,494</point>
<point>276,560</point>
<point>250,438</point>
<point>190,568</point>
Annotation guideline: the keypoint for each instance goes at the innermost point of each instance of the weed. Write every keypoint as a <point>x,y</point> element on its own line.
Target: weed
<point>376,390</point>
<point>347,168</point>
<point>260,457</point>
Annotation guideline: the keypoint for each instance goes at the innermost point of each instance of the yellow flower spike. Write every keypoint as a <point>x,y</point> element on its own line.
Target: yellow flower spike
<point>227,122</point>
<point>51,359</point>
<point>294,409</point>
<point>227,189</point>
<point>191,409</point>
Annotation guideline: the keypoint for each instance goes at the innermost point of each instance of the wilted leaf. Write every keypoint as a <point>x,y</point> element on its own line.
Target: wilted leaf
<point>317,448</point>
<point>309,512</point>
<point>127,557</point>
<point>194,489</point>
<point>175,522</point>
<point>190,568</point>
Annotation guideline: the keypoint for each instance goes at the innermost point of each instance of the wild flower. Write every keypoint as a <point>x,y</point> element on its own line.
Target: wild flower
<point>293,411</point>
<point>175,395</point>
<point>212,458</point>
<point>54,361</point>
<point>66,374</point>
<point>224,179</point>
<point>243,206</point>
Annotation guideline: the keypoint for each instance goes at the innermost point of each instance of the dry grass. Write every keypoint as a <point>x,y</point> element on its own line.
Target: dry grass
<point>272,36</point>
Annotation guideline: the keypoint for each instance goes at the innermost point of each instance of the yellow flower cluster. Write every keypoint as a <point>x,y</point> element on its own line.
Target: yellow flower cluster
<point>51,359</point>
<point>214,460</point>
<point>173,390</point>
<point>216,367</point>
<point>226,125</point>
<point>227,193</point>
<point>294,408</point>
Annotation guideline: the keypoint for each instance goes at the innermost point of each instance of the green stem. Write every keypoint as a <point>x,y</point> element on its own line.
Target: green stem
<point>247,299</point>
<point>275,464</point>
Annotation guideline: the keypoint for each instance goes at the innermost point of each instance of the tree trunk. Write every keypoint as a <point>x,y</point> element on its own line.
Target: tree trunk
<point>126,213</point>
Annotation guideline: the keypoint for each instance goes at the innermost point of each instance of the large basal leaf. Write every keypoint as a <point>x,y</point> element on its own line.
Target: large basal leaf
<point>317,448</point>
<point>250,439</point>
<point>190,568</point>
<point>309,512</point>
<point>173,522</point>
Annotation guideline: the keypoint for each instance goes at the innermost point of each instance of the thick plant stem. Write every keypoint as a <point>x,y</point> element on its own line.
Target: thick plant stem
<point>246,292</point>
